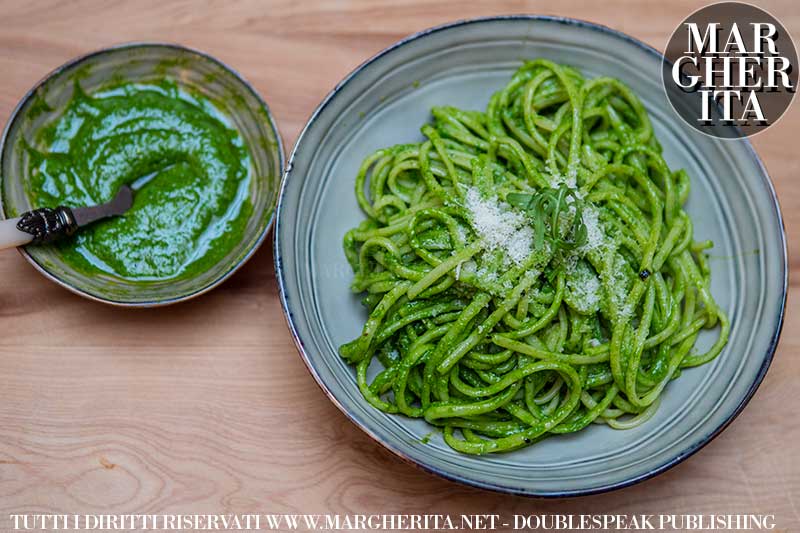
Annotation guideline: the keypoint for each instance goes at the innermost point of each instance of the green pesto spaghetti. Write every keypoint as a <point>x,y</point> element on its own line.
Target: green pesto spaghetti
<point>529,269</point>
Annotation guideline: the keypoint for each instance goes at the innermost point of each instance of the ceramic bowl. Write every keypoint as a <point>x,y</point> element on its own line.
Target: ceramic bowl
<point>142,63</point>
<point>384,102</point>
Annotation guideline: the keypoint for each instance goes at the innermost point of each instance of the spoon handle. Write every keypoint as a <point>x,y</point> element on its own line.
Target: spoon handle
<point>11,236</point>
<point>39,225</point>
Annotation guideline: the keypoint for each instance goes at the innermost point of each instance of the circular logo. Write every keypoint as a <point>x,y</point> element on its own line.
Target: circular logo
<point>730,70</point>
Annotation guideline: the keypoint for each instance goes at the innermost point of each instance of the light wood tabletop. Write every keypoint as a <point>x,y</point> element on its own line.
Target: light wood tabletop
<point>205,407</point>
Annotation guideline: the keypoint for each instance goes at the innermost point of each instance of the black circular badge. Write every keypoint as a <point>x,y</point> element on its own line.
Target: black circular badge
<point>730,70</point>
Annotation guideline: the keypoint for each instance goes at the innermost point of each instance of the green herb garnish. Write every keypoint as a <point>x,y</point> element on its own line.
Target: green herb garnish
<point>545,209</point>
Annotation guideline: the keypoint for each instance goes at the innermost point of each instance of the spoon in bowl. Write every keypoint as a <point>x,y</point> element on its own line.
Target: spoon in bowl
<point>48,224</point>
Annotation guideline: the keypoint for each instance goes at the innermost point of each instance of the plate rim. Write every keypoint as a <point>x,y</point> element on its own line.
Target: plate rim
<point>679,457</point>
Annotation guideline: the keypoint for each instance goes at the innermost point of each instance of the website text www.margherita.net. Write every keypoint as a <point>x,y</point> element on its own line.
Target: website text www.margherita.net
<point>392,522</point>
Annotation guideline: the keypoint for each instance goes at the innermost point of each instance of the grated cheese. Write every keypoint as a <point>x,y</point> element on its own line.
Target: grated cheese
<point>584,288</point>
<point>595,236</point>
<point>570,179</point>
<point>617,283</point>
<point>499,226</point>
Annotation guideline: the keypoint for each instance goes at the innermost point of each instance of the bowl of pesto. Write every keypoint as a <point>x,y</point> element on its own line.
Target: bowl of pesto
<point>194,140</point>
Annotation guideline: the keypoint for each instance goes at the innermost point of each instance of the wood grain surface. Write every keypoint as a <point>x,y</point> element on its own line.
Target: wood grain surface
<point>206,406</point>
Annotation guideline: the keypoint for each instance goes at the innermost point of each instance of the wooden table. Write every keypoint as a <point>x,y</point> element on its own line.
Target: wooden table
<point>206,406</point>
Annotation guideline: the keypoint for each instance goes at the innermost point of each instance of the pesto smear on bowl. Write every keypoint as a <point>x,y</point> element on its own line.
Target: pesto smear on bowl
<point>190,169</point>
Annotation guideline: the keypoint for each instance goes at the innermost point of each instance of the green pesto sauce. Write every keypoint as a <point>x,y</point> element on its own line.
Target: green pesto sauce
<point>190,170</point>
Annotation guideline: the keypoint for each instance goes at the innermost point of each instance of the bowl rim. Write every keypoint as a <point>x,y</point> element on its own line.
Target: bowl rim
<point>679,457</point>
<point>12,119</point>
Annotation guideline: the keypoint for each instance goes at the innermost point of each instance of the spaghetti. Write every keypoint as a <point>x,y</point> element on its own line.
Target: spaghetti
<point>528,270</point>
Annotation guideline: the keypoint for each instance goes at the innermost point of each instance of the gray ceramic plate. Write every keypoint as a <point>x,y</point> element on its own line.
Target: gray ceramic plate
<point>384,102</point>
